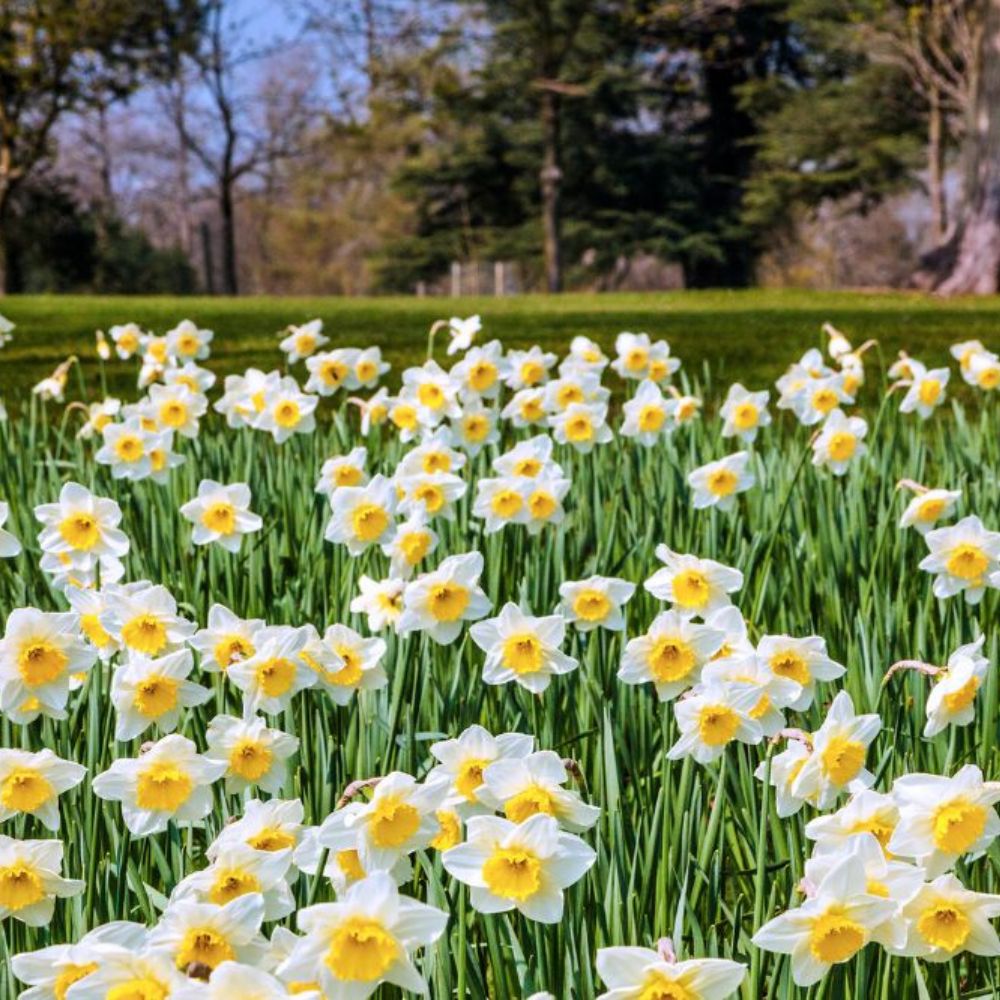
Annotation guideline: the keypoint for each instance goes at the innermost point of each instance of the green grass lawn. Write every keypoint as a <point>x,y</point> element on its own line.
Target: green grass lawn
<point>749,336</point>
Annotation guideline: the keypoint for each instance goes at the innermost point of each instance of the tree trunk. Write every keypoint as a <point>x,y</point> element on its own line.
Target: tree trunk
<point>935,166</point>
<point>551,177</point>
<point>230,283</point>
<point>975,266</point>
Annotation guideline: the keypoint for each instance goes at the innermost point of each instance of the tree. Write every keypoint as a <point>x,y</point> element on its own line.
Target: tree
<point>58,56</point>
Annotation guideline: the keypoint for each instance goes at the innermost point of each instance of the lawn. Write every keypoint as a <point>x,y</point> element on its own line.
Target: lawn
<point>750,336</point>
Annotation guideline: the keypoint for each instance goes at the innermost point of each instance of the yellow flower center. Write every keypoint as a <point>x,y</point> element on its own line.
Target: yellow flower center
<point>532,372</point>
<point>482,376</point>
<point>20,886</point>
<point>989,378</point>
<point>506,503</point>
<point>762,707</point>
<point>963,697</point>
<point>788,663</point>
<point>349,862</point>
<point>430,495</point>
<point>843,444</point>
<point>275,677</point>
<point>722,482</point>
<point>414,546</point>
<point>835,937</point>
<point>945,926</point>
<point>163,788</point>
<point>93,629</point>
<point>717,725</point>
<point>691,589</point>
<point>875,888</point>
<point>128,341</point>
<point>287,413</point>
<point>567,395</point>
<point>71,974</point>
<point>392,822</point>
<point>347,475</point>
<point>155,695</point>
<point>232,649</point>
<point>842,759</point>
<point>230,883</point>
<point>636,359</point>
<point>40,662</point>
<point>531,409</point>
<point>656,986</point>
<point>220,517</point>
<point>369,521</point>
<point>431,395</point>
<point>250,759</point>
<point>139,989</point>
<point>880,829</point>
<point>145,634</point>
<point>305,343</point>
<point>450,833</point>
<point>745,416</point>
<point>957,825</point>
<point>968,562</point>
<point>470,777</point>
<point>366,370</point>
<point>188,343</point>
<point>173,413</point>
<point>271,838</point>
<point>204,946</point>
<point>81,531</point>
<point>404,417</point>
<point>523,653</point>
<point>129,448</point>
<point>436,461</point>
<point>361,950</point>
<point>25,790</point>
<point>591,605</point>
<point>542,505</point>
<point>929,391</point>
<point>447,601</point>
<point>579,428</point>
<point>533,800</point>
<point>824,400</point>
<point>527,468</point>
<point>513,873</point>
<point>476,427</point>
<point>651,417</point>
<point>931,510</point>
<point>670,659</point>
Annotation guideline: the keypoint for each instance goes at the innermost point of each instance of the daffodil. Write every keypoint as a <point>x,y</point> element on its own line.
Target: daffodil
<point>585,353</point>
<point>533,784</point>
<point>237,979</point>
<point>952,701</point>
<point>130,972</point>
<point>440,601</point>
<point>942,819</point>
<point>519,866</point>
<point>694,586</point>
<point>169,780</point>
<point>818,398</point>
<point>191,375</point>
<point>361,516</point>
<point>99,415</point>
<point>226,639</point>
<point>30,882</point>
<point>573,388</point>
<point>381,601</point>
<point>804,661</point>
<point>398,819</point>
<point>526,408</point>
<point>943,919</point>
<point>647,417</point>
<point>717,484</point>
<point>254,755</point>
<point>926,391</point>
<point>774,694</point>
<point>500,501</point>
<point>633,352</point>
<point>713,716</point>
<point>275,825</point>
<point>39,654</point>
<point>31,783</point>
<point>527,459</point>
<point>275,672</point>
<point>126,449</point>
<point>928,507</point>
<point>529,369</point>
<point>197,934</point>
<point>433,493</point>
<point>596,602</point>
<point>127,339</point>
<point>367,369</point>
<point>176,408</point>
<point>643,974</point>
<point>303,341</point>
<point>670,655</point>
<point>188,342</point>
<point>51,971</point>
<point>744,413</point>
<point>238,870</point>
<point>475,428</point>
<point>434,454</point>
<point>221,514</point>
<point>831,926</point>
<point>143,618</point>
<point>339,844</point>
<point>867,811</point>
<point>837,762</point>
<point>366,938</point>
<point>343,470</point>
<point>413,541</point>
<point>463,760</point>
<point>963,558</point>
<point>356,666</point>
<point>582,426</point>
<point>430,389</point>
<point>331,371</point>
<point>246,396</point>
<point>461,333</point>
<point>481,372</point>
<point>984,371</point>
<point>781,771</point>
<point>840,442</point>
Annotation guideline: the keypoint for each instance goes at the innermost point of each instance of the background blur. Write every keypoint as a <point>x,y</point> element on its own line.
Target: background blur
<point>498,146</point>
